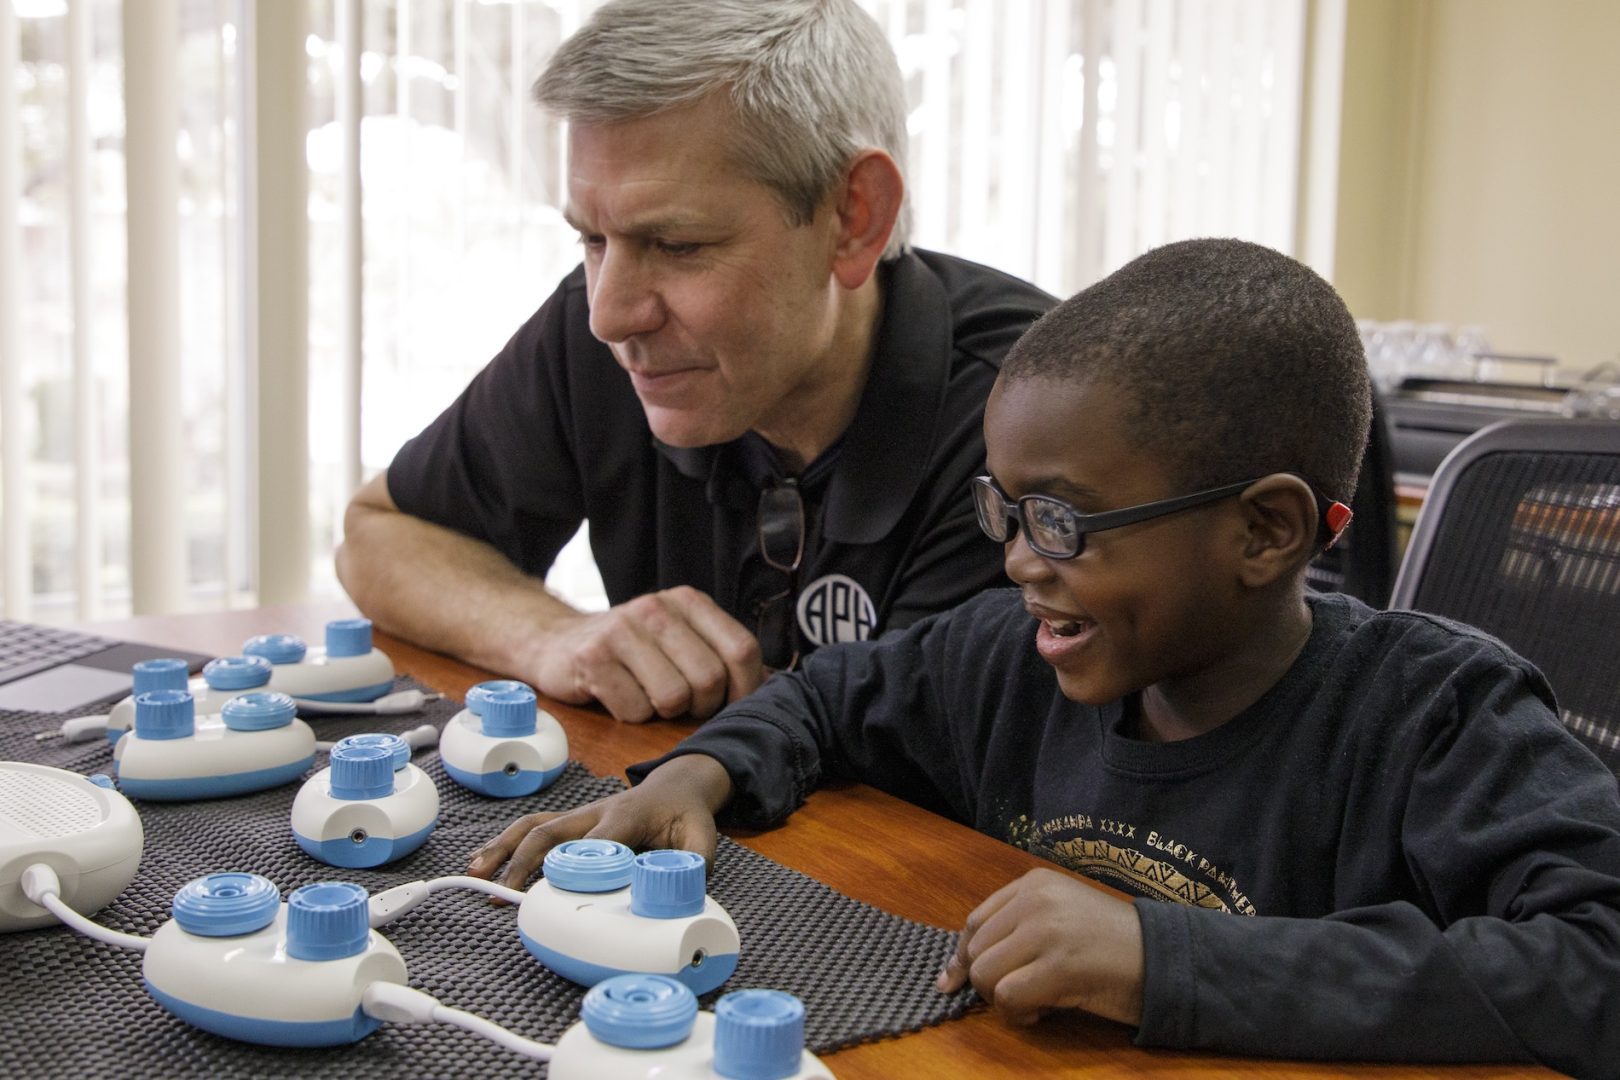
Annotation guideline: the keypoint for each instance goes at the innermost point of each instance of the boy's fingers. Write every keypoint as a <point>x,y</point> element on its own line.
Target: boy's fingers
<point>952,977</point>
<point>998,959</point>
<point>485,860</point>
<point>696,835</point>
<point>524,843</point>
<point>530,853</point>
<point>957,968</point>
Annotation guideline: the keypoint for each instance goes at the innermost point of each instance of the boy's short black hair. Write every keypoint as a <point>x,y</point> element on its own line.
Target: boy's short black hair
<point>1235,360</point>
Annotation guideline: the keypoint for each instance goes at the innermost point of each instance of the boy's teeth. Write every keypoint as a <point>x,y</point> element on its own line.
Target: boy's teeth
<point>1064,629</point>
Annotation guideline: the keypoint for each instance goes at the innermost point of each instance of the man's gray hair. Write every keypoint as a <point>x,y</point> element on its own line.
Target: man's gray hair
<point>812,83</point>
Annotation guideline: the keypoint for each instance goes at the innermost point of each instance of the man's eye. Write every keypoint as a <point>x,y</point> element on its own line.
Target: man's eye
<point>590,240</point>
<point>671,247</point>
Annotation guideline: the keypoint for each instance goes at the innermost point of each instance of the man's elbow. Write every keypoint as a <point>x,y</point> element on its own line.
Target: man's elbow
<point>363,520</point>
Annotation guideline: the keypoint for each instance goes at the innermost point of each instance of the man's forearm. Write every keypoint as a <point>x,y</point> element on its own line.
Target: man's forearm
<point>440,589</point>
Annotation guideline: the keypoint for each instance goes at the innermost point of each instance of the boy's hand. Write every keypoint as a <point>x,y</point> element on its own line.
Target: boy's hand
<point>673,807</point>
<point>1047,941</point>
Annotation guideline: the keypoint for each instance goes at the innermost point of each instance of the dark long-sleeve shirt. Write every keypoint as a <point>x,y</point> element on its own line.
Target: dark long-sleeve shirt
<point>1397,852</point>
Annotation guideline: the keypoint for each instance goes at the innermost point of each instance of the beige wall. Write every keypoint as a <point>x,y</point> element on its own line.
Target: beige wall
<point>1479,172</point>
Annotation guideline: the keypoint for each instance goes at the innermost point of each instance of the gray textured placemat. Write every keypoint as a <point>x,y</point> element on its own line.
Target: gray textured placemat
<point>70,1006</point>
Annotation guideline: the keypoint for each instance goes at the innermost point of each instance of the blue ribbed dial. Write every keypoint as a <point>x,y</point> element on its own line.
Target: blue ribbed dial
<point>639,1012</point>
<point>758,1035</point>
<point>225,905</point>
<point>327,921</point>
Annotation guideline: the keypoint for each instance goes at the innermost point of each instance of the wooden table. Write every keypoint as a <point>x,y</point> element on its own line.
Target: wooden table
<point>858,840</point>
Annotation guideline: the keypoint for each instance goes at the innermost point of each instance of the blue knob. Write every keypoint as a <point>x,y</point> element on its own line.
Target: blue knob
<point>348,637</point>
<point>276,648</point>
<point>639,1012</point>
<point>361,771</point>
<point>758,1035</point>
<point>236,672</point>
<point>225,905</point>
<point>159,675</point>
<point>510,713</point>
<point>588,866</point>
<point>398,747</point>
<point>260,711</point>
<point>327,921</point>
<point>101,780</point>
<point>667,884</point>
<point>165,714</point>
<point>477,695</point>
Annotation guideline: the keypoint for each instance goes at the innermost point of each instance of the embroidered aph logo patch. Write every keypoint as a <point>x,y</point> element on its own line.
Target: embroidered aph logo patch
<point>835,608</point>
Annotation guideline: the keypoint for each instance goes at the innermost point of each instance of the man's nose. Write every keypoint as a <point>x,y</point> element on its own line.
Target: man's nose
<point>624,299</point>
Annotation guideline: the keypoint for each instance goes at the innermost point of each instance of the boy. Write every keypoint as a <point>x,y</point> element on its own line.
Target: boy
<point>1370,834</point>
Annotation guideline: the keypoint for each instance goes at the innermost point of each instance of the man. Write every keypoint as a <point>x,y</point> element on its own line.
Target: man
<point>766,407</point>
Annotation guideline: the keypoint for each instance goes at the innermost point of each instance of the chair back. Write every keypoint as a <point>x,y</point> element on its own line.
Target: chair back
<point>1519,535</point>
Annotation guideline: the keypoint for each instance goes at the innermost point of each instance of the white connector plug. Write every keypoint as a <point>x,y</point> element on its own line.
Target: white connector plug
<point>41,885</point>
<point>394,1003</point>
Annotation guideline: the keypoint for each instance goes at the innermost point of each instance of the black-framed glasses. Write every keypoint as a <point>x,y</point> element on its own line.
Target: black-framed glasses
<point>779,523</point>
<point>1057,530</point>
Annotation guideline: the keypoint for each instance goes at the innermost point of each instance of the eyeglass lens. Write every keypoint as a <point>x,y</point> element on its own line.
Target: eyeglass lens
<point>1051,526</point>
<point>775,629</point>
<point>781,526</point>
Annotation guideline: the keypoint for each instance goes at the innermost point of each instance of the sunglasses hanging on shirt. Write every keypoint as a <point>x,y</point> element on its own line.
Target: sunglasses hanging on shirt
<point>780,527</point>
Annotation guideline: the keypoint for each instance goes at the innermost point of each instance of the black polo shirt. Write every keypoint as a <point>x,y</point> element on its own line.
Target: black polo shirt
<point>551,433</point>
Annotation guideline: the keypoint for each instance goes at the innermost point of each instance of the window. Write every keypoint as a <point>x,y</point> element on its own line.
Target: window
<point>1054,139</point>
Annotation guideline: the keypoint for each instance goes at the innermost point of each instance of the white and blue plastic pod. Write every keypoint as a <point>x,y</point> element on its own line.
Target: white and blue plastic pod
<point>600,911</point>
<point>642,1027</point>
<point>222,679</point>
<point>256,742</point>
<point>349,668</point>
<point>502,744</point>
<point>81,828</point>
<point>236,961</point>
<point>368,807</point>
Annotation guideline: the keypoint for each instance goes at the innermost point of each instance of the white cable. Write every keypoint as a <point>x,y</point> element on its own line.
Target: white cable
<point>41,885</point>
<point>79,729</point>
<point>462,881</point>
<point>391,904</point>
<point>395,704</point>
<point>394,1003</point>
<point>424,737</point>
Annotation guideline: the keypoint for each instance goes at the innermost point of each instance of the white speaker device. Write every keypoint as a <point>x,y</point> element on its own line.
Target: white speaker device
<point>88,833</point>
<point>370,805</point>
<point>175,755</point>
<point>648,1027</point>
<point>238,962</point>
<point>601,911</point>
<point>348,670</point>
<point>502,744</point>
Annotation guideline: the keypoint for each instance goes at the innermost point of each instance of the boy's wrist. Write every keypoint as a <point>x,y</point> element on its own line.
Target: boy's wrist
<point>694,776</point>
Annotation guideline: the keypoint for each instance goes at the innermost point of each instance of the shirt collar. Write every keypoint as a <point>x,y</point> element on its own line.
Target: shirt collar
<point>886,449</point>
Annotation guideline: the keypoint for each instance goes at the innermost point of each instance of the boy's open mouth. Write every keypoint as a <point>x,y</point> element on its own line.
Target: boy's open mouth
<point>1066,629</point>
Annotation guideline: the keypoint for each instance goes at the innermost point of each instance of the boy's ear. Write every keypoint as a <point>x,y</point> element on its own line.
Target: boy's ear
<point>867,207</point>
<point>1280,516</point>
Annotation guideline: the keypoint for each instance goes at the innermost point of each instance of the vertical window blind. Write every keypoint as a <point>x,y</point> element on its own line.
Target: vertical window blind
<point>247,248</point>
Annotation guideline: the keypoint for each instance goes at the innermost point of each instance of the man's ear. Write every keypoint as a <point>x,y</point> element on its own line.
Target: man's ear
<point>867,206</point>
<point>1280,515</point>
